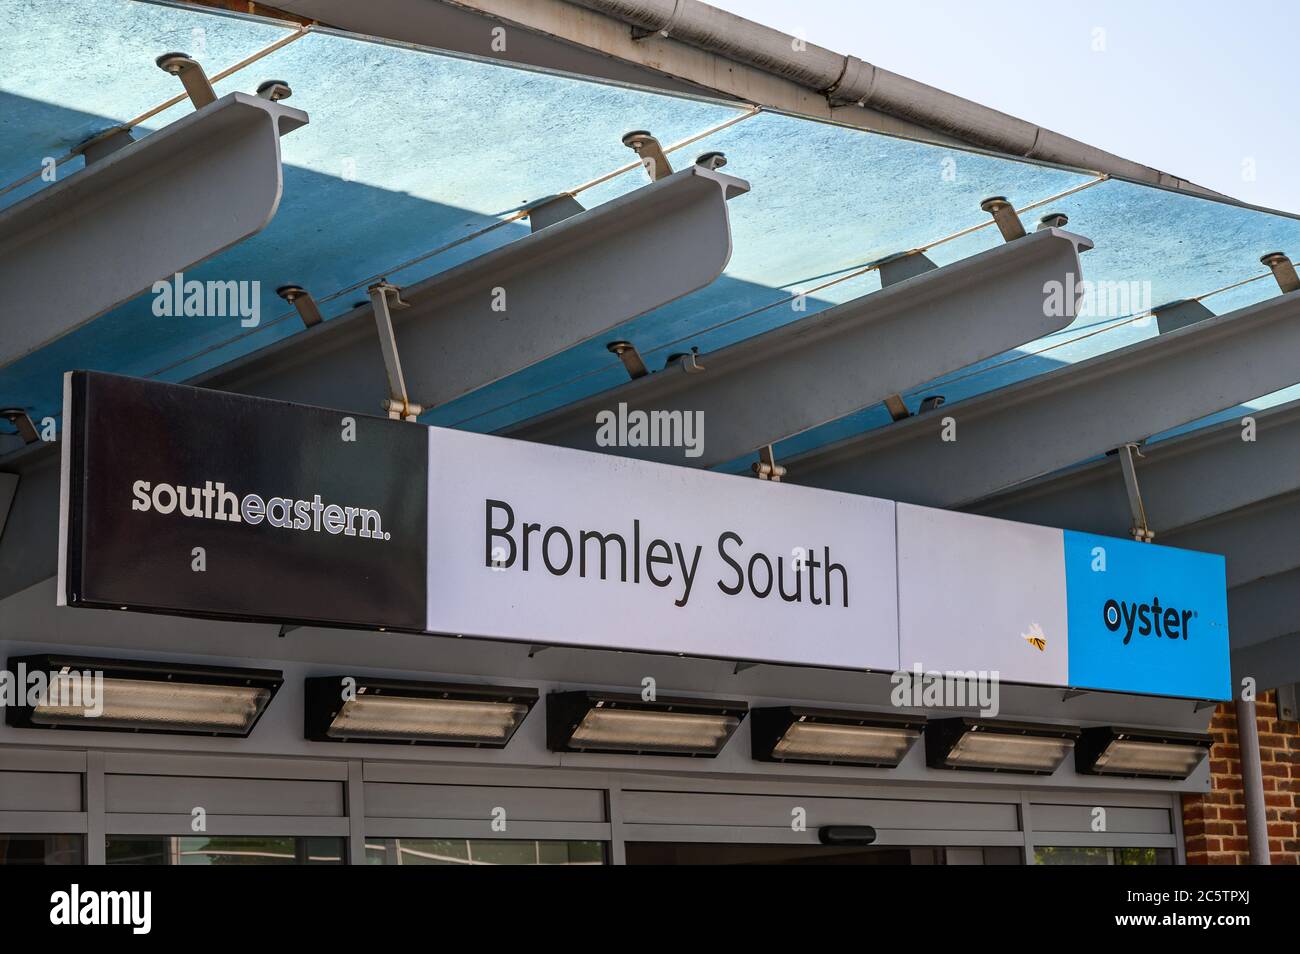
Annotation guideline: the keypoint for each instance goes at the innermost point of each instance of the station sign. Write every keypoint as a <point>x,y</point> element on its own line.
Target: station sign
<point>201,503</point>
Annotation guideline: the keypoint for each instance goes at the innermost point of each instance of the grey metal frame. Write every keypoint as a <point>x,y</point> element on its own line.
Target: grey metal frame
<point>558,287</point>
<point>1056,419</point>
<point>617,791</point>
<point>1184,479</point>
<point>817,369</point>
<point>202,184</point>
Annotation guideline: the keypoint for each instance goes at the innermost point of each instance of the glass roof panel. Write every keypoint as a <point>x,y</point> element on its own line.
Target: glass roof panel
<point>415,161</point>
<point>73,69</point>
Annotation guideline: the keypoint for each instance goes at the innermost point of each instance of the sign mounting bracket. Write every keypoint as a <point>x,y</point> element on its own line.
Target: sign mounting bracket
<point>383,297</point>
<point>1141,530</point>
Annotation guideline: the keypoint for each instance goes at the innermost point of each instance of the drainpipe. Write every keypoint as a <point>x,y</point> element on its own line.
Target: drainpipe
<point>1252,782</point>
<point>847,79</point>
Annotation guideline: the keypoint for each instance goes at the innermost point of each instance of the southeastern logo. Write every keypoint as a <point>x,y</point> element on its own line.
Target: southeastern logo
<point>213,501</point>
<point>1144,618</point>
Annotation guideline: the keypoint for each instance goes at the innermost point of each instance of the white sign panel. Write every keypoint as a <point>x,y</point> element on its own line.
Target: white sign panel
<point>564,547</point>
<point>980,594</point>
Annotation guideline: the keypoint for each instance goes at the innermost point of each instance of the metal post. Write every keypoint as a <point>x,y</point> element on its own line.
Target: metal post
<point>1252,782</point>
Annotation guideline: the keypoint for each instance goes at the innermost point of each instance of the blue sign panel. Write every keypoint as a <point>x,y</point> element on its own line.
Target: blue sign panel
<point>1146,619</point>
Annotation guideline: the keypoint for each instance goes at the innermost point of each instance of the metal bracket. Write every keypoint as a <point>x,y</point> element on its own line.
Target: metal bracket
<point>552,209</point>
<point>896,407</point>
<point>196,83</point>
<point>1288,697</point>
<point>1203,704</point>
<point>22,422</point>
<point>1004,214</point>
<point>1173,315</point>
<point>931,402</point>
<point>690,361</point>
<point>103,144</point>
<point>742,666</point>
<point>1052,220</point>
<point>535,649</point>
<point>302,301</point>
<point>766,467</point>
<point>384,296</point>
<point>1073,694</point>
<point>631,358</point>
<point>285,630</point>
<point>1283,271</point>
<point>274,90</point>
<point>650,153</point>
<point>1141,530</point>
<point>904,265</point>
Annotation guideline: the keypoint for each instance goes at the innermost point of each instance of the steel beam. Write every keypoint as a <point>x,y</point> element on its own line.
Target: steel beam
<point>150,209</point>
<point>1259,540</point>
<point>518,304</point>
<point>1264,630</point>
<point>1056,419</point>
<point>816,369</point>
<point>1184,480</point>
<point>1264,609</point>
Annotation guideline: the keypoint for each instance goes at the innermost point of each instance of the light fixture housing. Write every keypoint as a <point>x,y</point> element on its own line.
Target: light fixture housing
<point>1140,753</point>
<point>987,745</point>
<point>404,712</point>
<point>625,724</point>
<point>145,696</point>
<point>832,736</point>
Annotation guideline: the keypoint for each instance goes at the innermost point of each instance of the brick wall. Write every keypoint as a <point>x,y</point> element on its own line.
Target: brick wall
<point>1214,824</point>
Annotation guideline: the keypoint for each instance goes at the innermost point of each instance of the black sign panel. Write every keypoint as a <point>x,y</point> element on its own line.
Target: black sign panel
<point>202,503</point>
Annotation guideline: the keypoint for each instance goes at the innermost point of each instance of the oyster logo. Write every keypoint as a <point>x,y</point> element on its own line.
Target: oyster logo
<point>213,501</point>
<point>1035,637</point>
<point>1146,619</point>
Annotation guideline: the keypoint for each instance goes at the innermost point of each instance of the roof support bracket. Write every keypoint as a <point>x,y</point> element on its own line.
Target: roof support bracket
<point>1140,530</point>
<point>188,70</point>
<point>1005,217</point>
<point>384,296</point>
<point>650,152</point>
<point>102,145</point>
<point>631,358</point>
<point>1179,314</point>
<point>1283,271</point>
<point>766,467</point>
<point>302,302</point>
<point>22,423</point>
<point>552,209</point>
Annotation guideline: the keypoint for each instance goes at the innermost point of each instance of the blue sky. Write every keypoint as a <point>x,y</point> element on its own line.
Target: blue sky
<point>1199,88</point>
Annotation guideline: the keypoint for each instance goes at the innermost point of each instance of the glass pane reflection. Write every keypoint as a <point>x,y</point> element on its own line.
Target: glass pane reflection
<point>223,850</point>
<point>481,851</point>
